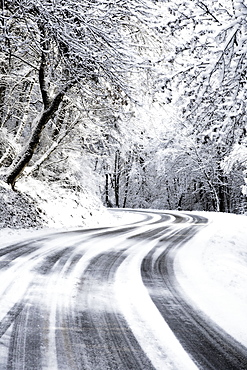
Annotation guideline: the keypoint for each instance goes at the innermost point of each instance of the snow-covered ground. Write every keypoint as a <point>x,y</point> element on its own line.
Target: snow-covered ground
<point>212,269</point>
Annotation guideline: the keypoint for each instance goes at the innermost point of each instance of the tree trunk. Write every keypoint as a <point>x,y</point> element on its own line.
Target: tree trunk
<point>127,179</point>
<point>107,199</point>
<point>117,178</point>
<point>3,87</point>
<point>126,190</point>
<point>24,158</point>
<point>224,197</point>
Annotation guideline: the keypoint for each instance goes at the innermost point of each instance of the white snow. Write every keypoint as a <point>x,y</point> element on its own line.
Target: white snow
<point>212,270</point>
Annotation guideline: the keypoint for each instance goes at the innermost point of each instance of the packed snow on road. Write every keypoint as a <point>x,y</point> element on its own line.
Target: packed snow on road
<point>105,279</point>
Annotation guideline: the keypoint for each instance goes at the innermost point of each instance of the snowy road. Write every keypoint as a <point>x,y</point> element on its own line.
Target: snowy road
<point>108,298</point>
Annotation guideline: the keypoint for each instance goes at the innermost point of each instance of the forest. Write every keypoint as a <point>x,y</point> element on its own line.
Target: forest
<point>141,103</point>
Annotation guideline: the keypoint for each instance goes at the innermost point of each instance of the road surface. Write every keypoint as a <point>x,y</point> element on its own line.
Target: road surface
<point>107,299</point>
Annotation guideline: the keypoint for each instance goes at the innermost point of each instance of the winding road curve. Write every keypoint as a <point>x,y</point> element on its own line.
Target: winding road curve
<point>107,299</point>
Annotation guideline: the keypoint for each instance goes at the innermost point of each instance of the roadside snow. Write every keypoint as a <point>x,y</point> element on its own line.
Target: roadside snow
<point>102,218</point>
<point>38,204</point>
<point>212,270</point>
<point>63,207</point>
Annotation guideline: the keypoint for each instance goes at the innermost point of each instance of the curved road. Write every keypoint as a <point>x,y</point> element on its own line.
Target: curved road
<point>107,298</point>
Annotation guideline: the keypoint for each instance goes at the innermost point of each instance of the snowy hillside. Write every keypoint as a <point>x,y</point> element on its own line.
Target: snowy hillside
<point>38,204</point>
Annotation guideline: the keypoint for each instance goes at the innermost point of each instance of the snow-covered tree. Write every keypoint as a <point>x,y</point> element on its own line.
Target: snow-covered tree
<point>62,49</point>
<point>205,76</point>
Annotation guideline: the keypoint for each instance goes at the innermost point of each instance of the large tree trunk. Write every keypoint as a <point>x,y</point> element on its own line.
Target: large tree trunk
<point>24,158</point>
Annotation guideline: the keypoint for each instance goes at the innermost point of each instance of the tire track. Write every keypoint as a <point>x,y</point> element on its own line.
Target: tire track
<point>210,347</point>
<point>69,313</point>
<point>96,335</point>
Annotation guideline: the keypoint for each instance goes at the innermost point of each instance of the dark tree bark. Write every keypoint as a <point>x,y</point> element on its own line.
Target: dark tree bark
<point>117,178</point>
<point>107,198</point>
<point>24,158</point>
<point>3,86</point>
<point>126,190</point>
<point>127,178</point>
<point>224,197</point>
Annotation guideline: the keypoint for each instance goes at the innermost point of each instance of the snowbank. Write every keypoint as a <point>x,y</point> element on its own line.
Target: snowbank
<point>37,204</point>
<point>212,270</point>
